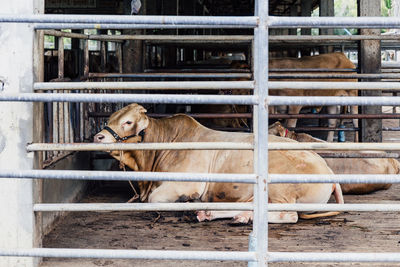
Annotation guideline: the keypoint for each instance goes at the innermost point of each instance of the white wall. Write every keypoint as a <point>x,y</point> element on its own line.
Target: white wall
<point>16,70</point>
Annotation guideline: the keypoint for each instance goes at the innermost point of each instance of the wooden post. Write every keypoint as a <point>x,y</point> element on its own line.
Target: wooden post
<point>294,12</point>
<point>306,9</point>
<point>369,61</point>
<point>132,50</point>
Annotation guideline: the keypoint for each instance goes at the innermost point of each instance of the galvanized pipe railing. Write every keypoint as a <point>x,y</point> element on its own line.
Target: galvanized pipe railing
<point>335,178</point>
<point>333,100</point>
<point>48,207</point>
<point>334,146</point>
<point>75,207</point>
<point>129,176</point>
<point>204,21</point>
<point>171,85</point>
<point>332,257</point>
<point>176,75</point>
<point>325,85</point>
<point>110,26</point>
<point>216,85</point>
<point>131,254</point>
<point>139,146</point>
<point>334,22</point>
<point>131,98</point>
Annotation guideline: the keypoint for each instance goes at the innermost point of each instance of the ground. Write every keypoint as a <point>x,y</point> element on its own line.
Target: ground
<point>350,232</point>
<point>347,232</point>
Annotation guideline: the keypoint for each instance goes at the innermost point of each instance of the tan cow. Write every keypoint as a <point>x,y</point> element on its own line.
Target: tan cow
<point>132,125</point>
<point>348,165</point>
<point>324,61</point>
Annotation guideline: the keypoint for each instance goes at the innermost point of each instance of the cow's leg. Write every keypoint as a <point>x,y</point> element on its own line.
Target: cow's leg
<point>331,122</point>
<point>354,110</point>
<point>174,191</point>
<point>291,123</point>
<point>216,214</point>
<point>282,217</point>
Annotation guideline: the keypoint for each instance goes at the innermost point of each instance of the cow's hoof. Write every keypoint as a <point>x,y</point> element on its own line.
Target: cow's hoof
<point>203,215</point>
<point>240,220</point>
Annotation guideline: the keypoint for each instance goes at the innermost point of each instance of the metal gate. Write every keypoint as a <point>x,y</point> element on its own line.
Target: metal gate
<point>261,22</point>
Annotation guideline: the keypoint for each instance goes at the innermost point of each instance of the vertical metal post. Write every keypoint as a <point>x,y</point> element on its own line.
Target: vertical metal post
<point>260,57</point>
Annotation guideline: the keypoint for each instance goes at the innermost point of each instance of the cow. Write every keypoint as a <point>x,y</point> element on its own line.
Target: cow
<point>348,165</point>
<point>132,125</point>
<point>324,61</point>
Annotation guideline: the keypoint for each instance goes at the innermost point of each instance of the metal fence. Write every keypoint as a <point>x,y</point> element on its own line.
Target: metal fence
<point>260,22</point>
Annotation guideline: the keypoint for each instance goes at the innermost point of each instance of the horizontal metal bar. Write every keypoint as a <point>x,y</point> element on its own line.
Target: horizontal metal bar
<point>333,207</point>
<point>142,206</point>
<point>130,254</point>
<point>312,70</point>
<point>129,176</point>
<point>333,146</point>
<point>249,21</point>
<point>327,38</point>
<point>333,116</point>
<point>119,38</point>
<point>332,257</point>
<point>333,100</point>
<point>358,155</point>
<point>186,69</point>
<point>215,85</point>
<point>131,98</point>
<point>172,75</point>
<point>318,128</point>
<point>393,129</point>
<point>333,22</point>
<point>139,146</point>
<point>181,85</point>
<point>51,207</point>
<point>335,178</point>
<point>41,26</point>
<point>385,64</point>
<point>329,85</point>
<point>194,115</point>
<point>333,76</point>
<point>196,38</point>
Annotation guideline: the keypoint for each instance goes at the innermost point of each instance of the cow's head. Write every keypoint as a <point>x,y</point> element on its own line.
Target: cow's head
<point>125,125</point>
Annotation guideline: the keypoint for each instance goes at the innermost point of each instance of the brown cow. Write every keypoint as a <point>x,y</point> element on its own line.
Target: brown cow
<point>132,122</point>
<point>348,165</point>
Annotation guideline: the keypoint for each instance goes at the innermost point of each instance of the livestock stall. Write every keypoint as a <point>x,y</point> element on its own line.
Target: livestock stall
<point>49,163</point>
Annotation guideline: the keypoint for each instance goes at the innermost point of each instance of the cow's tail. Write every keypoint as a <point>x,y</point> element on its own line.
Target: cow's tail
<point>338,194</point>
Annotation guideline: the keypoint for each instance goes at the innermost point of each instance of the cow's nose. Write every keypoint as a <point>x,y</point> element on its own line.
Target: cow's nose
<point>98,137</point>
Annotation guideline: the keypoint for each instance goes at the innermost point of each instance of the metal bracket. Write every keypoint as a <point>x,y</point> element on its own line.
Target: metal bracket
<point>2,83</point>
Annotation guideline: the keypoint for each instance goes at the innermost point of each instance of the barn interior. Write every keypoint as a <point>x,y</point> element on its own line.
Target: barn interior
<point>116,54</point>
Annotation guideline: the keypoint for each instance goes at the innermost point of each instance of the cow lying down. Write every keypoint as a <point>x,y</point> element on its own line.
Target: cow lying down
<point>132,122</point>
<point>348,165</point>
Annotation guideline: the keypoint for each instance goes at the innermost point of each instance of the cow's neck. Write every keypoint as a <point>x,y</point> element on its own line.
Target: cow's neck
<point>158,131</point>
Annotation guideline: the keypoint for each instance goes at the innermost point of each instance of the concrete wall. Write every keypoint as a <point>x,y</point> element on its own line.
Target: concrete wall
<point>64,191</point>
<point>17,224</point>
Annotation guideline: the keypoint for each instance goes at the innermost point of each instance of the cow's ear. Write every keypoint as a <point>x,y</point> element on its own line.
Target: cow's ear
<point>142,110</point>
<point>142,123</point>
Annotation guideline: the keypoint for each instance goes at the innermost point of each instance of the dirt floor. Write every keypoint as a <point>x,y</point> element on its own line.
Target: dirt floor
<point>347,232</point>
<point>350,232</point>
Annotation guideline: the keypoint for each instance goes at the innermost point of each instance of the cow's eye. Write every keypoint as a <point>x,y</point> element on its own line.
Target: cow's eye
<point>129,122</point>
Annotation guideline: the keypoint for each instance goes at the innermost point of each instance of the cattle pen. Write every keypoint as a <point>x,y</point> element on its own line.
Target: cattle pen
<point>64,199</point>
